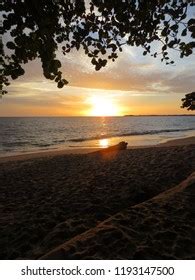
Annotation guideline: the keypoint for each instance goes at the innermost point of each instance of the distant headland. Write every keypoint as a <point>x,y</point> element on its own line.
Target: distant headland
<point>183,115</point>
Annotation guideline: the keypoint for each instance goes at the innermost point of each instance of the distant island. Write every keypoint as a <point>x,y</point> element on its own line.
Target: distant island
<point>183,115</point>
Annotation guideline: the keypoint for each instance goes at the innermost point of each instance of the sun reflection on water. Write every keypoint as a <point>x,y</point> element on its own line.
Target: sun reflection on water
<point>103,143</point>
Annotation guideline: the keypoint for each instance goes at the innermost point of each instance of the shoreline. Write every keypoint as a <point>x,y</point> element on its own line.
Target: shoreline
<point>42,154</point>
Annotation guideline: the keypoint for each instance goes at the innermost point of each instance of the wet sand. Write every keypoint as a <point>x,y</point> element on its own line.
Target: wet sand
<point>41,154</point>
<point>80,206</point>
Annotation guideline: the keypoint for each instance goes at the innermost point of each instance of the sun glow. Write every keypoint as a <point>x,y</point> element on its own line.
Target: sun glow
<point>103,106</point>
<point>103,143</point>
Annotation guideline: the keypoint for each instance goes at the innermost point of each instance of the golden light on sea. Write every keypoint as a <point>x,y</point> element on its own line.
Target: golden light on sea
<point>103,106</point>
<point>103,143</point>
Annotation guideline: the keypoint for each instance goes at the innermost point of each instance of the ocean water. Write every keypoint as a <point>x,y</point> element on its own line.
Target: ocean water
<point>24,135</point>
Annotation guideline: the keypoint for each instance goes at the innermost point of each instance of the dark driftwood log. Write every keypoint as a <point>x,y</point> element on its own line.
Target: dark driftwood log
<point>120,146</point>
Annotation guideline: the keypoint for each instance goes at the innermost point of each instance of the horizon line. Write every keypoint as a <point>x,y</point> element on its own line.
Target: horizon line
<point>130,115</point>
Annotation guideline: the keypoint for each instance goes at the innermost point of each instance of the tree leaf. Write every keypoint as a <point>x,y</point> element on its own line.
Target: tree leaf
<point>11,45</point>
<point>184,32</point>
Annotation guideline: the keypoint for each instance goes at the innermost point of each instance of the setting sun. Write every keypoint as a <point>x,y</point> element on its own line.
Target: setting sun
<point>103,106</point>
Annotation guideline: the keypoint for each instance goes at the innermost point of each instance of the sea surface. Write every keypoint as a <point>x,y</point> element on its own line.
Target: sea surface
<point>26,135</point>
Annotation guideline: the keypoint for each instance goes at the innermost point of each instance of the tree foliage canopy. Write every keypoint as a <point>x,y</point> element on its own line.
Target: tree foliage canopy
<point>38,28</point>
<point>189,101</point>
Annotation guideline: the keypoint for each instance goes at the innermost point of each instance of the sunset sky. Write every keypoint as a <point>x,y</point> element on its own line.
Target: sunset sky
<point>133,84</point>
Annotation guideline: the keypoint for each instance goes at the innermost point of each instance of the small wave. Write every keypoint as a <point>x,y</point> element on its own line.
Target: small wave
<point>151,132</point>
<point>156,132</point>
<point>59,141</point>
<point>82,139</point>
<point>41,145</point>
<point>84,146</point>
<point>12,144</point>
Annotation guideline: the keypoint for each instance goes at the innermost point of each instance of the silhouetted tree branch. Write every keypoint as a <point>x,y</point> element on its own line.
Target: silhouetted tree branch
<point>189,101</point>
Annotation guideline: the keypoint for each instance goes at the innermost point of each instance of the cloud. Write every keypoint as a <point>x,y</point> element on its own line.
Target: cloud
<point>134,82</point>
<point>182,83</point>
<point>130,72</point>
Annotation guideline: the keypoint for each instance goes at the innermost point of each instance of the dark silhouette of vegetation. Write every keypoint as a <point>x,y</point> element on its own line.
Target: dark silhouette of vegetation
<point>38,28</point>
<point>189,101</point>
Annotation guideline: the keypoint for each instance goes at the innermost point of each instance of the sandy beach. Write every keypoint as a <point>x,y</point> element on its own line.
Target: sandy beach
<point>131,204</point>
<point>41,154</point>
